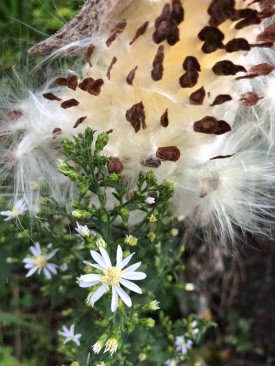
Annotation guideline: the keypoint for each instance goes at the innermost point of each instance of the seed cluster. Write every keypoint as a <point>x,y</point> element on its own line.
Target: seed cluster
<point>187,66</point>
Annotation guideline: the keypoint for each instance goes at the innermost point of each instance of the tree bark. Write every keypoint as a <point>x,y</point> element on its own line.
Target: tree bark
<point>94,16</point>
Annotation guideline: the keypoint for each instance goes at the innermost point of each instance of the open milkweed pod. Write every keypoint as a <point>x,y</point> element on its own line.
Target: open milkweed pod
<point>187,88</point>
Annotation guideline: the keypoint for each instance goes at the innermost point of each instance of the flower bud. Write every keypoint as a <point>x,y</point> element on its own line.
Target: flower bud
<point>81,214</point>
<point>101,141</point>
<point>147,322</point>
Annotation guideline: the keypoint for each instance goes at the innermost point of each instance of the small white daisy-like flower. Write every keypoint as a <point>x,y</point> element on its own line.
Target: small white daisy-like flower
<point>194,328</point>
<point>82,230</point>
<point>154,305</point>
<point>97,347</point>
<point>69,335</point>
<point>18,209</point>
<point>111,346</point>
<point>183,344</point>
<point>39,261</point>
<point>112,276</point>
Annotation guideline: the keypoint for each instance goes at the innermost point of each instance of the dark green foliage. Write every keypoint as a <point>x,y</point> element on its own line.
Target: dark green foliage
<point>26,22</point>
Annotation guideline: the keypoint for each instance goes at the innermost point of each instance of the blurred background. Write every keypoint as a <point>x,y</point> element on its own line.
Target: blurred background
<point>26,22</point>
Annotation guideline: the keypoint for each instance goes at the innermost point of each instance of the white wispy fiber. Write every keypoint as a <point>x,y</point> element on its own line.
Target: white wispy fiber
<point>179,83</point>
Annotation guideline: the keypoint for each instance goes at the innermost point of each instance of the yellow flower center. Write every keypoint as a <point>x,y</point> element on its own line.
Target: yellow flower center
<point>40,261</point>
<point>112,276</point>
<point>14,212</point>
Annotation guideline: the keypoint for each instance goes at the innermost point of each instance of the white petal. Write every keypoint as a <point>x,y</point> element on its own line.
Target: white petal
<point>71,329</point>
<point>28,260</point>
<point>52,268</point>
<point>94,265</point>
<point>125,261</point>
<point>19,204</point>
<point>132,268</point>
<point>8,218</point>
<point>36,249</point>
<point>6,213</point>
<point>77,341</point>
<point>114,303</point>
<point>134,275</point>
<point>125,297</point>
<point>98,294</point>
<point>31,271</point>
<point>90,278</point>
<point>87,284</point>
<point>47,273</point>
<point>29,265</point>
<point>106,257</point>
<point>98,258</point>
<point>51,254</point>
<point>131,286</point>
<point>65,330</point>
<point>119,255</point>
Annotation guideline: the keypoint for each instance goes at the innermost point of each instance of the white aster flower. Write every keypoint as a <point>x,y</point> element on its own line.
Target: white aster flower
<point>154,305</point>
<point>112,276</point>
<point>111,346</point>
<point>39,261</point>
<point>183,344</point>
<point>18,209</point>
<point>97,347</point>
<point>69,335</point>
<point>82,230</point>
<point>194,328</point>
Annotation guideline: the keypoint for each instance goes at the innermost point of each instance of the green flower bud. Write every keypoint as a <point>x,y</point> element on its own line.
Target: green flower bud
<point>81,214</point>
<point>174,232</point>
<point>124,213</point>
<point>131,240</point>
<point>101,141</point>
<point>142,357</point>
<point>147,322</point>
<point>151,236</point>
